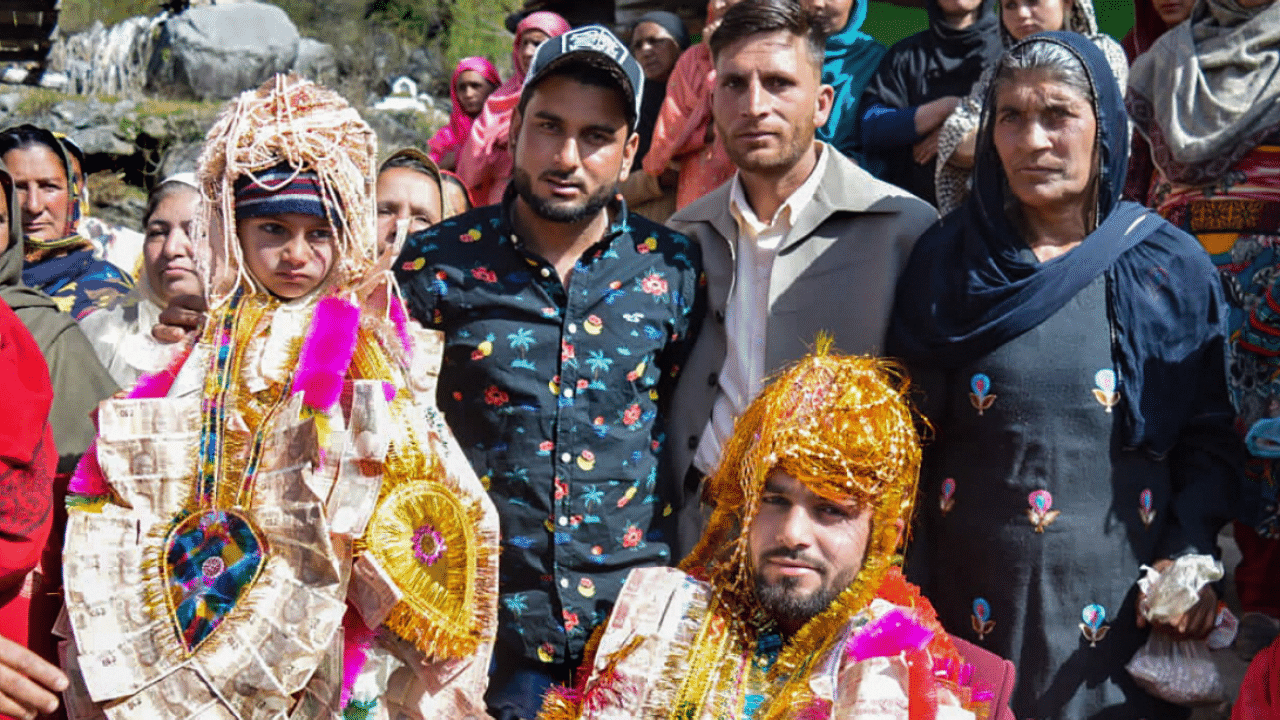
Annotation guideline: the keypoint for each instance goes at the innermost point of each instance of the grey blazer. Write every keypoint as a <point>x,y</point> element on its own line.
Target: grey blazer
<point>835,271</point>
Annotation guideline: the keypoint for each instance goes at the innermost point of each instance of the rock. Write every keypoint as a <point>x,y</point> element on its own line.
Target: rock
<point>155,126</point>
<point>217,51</point>
<point>316,62</point>
<point>180,157</point>
<point>102,140</point>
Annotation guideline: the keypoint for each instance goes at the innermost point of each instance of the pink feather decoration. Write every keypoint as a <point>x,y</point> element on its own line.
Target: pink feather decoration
<point>889,635</point>
<point>819,709</point>
<point>401,322</point>
<point>88,479</point>
<point>357,639</point>
<point>327,352</point>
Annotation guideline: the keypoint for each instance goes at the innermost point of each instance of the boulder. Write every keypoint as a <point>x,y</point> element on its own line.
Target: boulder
<point>214,52</point>
<point>316,62</point>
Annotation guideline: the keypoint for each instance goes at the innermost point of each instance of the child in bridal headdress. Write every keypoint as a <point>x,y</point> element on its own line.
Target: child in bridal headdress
<point>280,525</point>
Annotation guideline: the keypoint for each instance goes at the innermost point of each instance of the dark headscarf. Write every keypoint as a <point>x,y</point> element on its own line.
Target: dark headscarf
<point>654,91</point>
<point>933,63</point>
<point>1147,28</point>
<point>670,22</point>
<point>938,61</point>
<point>972,285</point>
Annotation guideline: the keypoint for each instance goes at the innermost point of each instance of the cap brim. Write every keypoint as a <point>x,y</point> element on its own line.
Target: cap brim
<point>595,59</point>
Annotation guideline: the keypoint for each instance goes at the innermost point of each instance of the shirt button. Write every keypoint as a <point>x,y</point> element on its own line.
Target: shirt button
<point>712,379</point>
<point>563,521</point>
<point>566,457</point>
<point>568,392</point>
<point>720,316</point>
<point>546,272</point>
<point>573,328</point>
<point>693,442</point>
<point>564,582</point>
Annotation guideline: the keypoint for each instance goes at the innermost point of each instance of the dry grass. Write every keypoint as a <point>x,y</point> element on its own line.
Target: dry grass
<point>38,101</point>
<point>110,188</point>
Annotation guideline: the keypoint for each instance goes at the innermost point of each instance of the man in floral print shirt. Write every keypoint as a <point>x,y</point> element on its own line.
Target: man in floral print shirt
<point>566,322</point>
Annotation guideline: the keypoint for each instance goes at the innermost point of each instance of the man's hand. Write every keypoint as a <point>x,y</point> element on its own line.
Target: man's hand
<point>932,114</point>
<point>185,314</point>
<point>927,149</point>
<point>1193,624</point>
<point>27,682</point>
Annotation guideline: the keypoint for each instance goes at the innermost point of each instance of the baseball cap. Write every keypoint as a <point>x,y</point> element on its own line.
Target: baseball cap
<point>595,45</point>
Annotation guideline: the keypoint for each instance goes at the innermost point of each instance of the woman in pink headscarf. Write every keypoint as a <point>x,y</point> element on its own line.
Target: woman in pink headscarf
<point>485,162</point>
<point>474,80</point>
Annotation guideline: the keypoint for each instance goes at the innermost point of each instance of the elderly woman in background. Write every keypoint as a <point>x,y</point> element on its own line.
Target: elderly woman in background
<point>1207,99</point>
<point>658,39</point>
<point>684,142</point>
<point>1019,19</point>
<point>414,192</point>
<point>58,260</point>
<point>474,80</point>
<point>484,162</point>
<point>1055,476</point>
<point>78,382</point>
<point>121,333</point>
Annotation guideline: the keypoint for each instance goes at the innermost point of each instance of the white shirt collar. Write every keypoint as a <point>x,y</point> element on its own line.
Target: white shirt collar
<point>791,208</point>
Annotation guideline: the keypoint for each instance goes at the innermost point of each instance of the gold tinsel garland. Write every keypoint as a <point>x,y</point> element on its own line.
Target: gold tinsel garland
<point>446,610</point>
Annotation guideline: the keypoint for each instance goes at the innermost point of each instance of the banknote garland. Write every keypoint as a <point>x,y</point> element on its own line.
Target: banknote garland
<point>233,591</point>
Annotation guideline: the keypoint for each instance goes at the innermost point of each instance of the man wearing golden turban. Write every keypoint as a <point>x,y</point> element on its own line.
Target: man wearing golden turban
<point>791,605</point>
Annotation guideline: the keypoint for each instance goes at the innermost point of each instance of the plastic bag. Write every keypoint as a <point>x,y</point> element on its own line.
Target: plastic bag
<point>1177,589</point>
<point>1180,671</point>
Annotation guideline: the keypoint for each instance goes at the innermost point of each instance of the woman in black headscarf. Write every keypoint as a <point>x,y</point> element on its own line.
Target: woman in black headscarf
<point>1071,349</point>
<point>657,39</point>
<point>919,82</point>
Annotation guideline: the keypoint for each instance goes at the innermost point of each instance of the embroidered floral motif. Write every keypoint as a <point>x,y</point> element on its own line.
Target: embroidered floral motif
<point>1094,627</point>
<point>1041,513</point>
<point>981,618</point>
<point>981,386</point>
<point>948,499</point>
<point>1145,509</point>
<point>1106,393</point>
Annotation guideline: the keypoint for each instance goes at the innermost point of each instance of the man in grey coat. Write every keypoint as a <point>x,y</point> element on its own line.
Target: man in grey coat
<point>800,241</point>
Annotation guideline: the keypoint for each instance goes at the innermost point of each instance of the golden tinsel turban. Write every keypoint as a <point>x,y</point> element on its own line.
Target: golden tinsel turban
<point>288,120</point>
<point>839,424</point>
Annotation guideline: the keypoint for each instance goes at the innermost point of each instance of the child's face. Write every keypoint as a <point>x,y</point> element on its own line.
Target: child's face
<point>290,254</point>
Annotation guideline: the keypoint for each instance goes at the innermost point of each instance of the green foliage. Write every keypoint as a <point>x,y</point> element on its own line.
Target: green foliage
<point>478,29</point>
<point>370,36</point>
<point>889,23</point>
<point>38,101</point>
<point>79,15</point>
